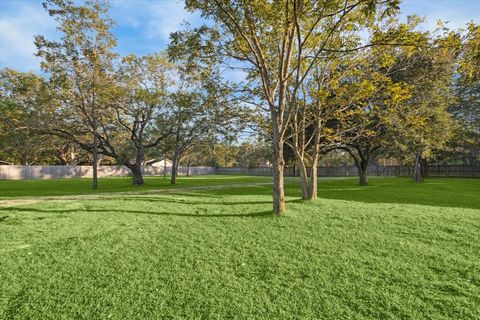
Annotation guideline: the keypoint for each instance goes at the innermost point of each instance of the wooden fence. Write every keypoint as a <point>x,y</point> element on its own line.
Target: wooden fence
<point>373,170</point>
<point>403,171</point>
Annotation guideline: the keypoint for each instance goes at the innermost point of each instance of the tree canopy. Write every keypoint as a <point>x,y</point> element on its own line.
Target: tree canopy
<point>341,77</point>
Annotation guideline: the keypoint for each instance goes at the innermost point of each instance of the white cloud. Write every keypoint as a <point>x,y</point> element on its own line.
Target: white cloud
<point>152,19</point>
<point>165,18</point>
<point>19,23</point>
<point>144,26</point>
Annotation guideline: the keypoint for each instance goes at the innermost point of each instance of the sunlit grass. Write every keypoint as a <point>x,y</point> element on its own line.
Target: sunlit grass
<point>394,249</point>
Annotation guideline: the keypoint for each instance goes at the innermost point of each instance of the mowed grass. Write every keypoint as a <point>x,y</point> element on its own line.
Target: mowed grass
<point>57,187</point>
<point>392,250</point>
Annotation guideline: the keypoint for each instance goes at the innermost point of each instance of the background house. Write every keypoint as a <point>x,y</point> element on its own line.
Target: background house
<point>160,163</point>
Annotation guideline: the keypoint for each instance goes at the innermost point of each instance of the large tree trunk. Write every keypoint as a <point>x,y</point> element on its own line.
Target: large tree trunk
<point>137,174</point>
<point>278,168</point>
<point>136,167</point>
<point>362,167</point>
<point>361,157</point>
<point>173,179</point>
<point>424,166</point>
<point>417,167</point>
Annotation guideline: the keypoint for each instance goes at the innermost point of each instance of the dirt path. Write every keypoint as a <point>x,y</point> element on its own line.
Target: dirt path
<point>129,194</point>
<point>17,202</point>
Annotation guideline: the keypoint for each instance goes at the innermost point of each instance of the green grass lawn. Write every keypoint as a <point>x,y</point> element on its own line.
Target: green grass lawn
<point>394,249</point>
<point>56,187</point>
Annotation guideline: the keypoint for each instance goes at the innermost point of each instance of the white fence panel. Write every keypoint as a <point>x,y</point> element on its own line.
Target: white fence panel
<point>57,172</point>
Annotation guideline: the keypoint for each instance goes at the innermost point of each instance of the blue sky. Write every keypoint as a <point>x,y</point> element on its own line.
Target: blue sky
<point>143,26</point>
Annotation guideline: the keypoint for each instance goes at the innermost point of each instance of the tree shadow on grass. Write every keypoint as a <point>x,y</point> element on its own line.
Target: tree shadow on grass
<point>184,201</point>
<point>460,193</point>
<point>440,192</point>
<point>256,214</point>
<point>433,192</point>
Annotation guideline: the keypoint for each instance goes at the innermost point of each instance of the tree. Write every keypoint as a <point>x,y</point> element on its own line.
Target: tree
<point>20,142</point>
<point>275,39</point>
<point>466,86</point>
<point>251,155</point>
<point>225,155</point>
<point>80,65</point>
<point>422,125</point>
<point>342,105</point>
<point>367,97</point>
<point>189,114</point>
<point>138,101</point>
<point>311,126</point>
<point>197,109</point>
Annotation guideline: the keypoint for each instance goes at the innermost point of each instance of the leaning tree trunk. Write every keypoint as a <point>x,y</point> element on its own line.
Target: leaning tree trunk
<point>302,172</point>
<point>299,153</point>
<point>278,168</point>
<point>417,168</point>
<point>298,148</point>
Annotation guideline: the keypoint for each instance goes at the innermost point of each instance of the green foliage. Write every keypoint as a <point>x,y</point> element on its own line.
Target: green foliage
<point>80,69</point>
<point>422,124</point>
<point>252,155</point>
<point>466,107</point>
<point>21,96</point>
<point>225,155</point>
<point>137,106</point>
<point>279,42</point>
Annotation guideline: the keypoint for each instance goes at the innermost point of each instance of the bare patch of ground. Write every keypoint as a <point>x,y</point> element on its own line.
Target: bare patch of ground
<point>17,202</point>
